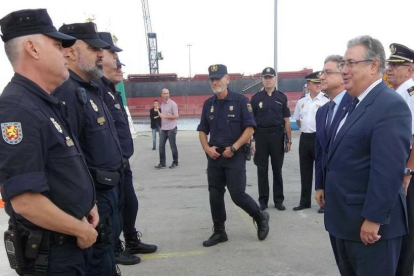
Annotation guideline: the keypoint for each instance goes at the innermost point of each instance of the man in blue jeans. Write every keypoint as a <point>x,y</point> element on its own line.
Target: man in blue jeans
<point>169,118</point>
<point>155,123</point>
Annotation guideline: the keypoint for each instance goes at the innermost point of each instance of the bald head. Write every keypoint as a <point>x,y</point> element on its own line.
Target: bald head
<point>165,94</point>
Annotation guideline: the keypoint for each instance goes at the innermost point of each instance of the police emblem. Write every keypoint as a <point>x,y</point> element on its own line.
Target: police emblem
<point>268,69</point>
<point>393,49</point>
<point>302,106</point>
<point>110,94</point>
<point>231,108</point>
<point>12,133</point>
<point>213,68</point>
<point>260,104</point>
<point>249,107</point>
<point>94,106</point>
<point>57,126</point>
<point>410,91</point>
<point>212,109</point>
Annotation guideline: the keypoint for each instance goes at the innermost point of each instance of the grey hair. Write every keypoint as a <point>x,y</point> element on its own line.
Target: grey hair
<point>373,50</point>
<point>14,47</point>
<point>334,58</point>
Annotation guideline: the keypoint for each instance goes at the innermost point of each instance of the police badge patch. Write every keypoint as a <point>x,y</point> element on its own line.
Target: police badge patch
<point>410,91</point>
<point>94,106</point>
<point>249,107</point>
<point>12,133</point>
<point>110,94</point>
<point>57,126</point>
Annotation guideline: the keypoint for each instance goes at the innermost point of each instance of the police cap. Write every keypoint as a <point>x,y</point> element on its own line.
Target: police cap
<point>268,71</point>
<point>217,71</point>
<point>314,77</point>
<point>86,32</point>
<point>29,22</point>
<point>400,53</point>
<point>107,37</point>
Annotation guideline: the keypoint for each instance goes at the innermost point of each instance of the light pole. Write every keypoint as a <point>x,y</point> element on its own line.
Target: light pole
<point>275,41</point>
<point>189,58</point>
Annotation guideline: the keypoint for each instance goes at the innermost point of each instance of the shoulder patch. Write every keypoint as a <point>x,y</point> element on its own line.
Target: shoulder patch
<point>411,90</point>
<point>12,133</point>
<point>249,107</point>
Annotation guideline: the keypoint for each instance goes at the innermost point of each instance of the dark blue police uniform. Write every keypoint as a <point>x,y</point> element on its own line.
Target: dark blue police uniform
<point>113,101</point>
<point>93,125</point>
<point>38,153</point>
<point>270,113</point>
<point>225,120</point>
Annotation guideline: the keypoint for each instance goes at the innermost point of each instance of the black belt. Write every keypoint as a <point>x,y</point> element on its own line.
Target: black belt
<point>269,129</point>
<point>308,135</point>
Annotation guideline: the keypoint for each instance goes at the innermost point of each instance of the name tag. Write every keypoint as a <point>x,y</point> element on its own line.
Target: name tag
<point>231,115</point>
<point>211,117</point>
<point>278,102</point>
<point>100,120</point>
<point>69,142</point>
<point>117,106</point>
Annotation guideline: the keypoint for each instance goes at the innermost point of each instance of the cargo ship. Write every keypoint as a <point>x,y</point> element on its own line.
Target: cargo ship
<point>190,93</point>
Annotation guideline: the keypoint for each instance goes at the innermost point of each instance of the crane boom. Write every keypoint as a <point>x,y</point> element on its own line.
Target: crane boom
<point>151,38</point>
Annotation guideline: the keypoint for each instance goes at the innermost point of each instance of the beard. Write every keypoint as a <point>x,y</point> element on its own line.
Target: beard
<point>218,90</point>
<point>94,71</point>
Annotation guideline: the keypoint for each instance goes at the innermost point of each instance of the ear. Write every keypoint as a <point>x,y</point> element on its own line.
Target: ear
<point>375,67</point>
<point>31,48</point>
<point>71,53</point>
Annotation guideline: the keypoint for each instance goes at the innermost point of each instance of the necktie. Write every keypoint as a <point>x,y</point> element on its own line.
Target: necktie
<point>351,108</point>
<point>331,106</point>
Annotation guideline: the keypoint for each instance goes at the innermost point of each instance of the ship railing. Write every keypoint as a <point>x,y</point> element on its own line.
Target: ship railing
<point>250,85</point>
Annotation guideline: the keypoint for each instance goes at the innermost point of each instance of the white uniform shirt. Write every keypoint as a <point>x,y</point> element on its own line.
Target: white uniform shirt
<point>305,111</point>
<point>403,91</point>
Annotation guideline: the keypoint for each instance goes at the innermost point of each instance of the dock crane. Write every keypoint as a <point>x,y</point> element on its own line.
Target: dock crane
<point>153,55</point>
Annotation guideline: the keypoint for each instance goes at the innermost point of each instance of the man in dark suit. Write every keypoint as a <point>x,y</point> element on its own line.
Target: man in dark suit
<point>327,117</point>
<point>365,208</point>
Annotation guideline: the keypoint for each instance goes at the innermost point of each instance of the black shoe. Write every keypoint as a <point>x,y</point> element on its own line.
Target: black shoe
<point>300,207</point>
<point>218,236</point>
<point>160,166</point>
<point>263,207</point>
<point>134,245</point>
<point>262,222</point>
<point>173,165</point>
<point>280,206</point>
<point>321,210</point>
<point>153,148</point>
<point>124,257</point>
<point>117,271</point>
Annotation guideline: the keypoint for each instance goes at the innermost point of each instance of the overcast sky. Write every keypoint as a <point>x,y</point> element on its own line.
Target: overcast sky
<point>238,33</point>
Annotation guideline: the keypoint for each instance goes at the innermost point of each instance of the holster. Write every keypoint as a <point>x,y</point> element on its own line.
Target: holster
<point>104,230</point>
<point>247,152</point>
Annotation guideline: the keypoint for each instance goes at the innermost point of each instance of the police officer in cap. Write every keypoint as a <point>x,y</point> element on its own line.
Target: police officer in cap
<point>112,69</point>
<point>44,180</point>
<point>272,137</point>
<point>400,68</point>
<point>228,118</point>
<point>305,116</point>
<point>93,124</point>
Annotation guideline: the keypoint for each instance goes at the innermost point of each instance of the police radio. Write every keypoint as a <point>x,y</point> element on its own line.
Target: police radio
<point>13,249</point>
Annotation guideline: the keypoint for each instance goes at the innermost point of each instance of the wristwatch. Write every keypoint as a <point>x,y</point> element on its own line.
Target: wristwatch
<point>408,171</point>
<point>289,141</point>
<point>233,149</point>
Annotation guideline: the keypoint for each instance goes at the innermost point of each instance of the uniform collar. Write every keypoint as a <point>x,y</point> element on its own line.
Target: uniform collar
<point>404,86</point>
<point>78,79</point>
<point>318,97</point>
<point>34,88</point>
<point>108,83</point>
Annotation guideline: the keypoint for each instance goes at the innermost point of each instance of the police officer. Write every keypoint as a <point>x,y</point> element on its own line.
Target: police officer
<point>93,124</point>
<point>272,137</point>
<point>305,113</point>
<point>400,69</point>
<point>44,180</point>
<point>228,118</point>
<point>112,69</point>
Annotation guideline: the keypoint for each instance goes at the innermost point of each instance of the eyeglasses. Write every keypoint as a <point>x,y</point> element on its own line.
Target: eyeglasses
<point>351,63</point>
<point>329,72</point>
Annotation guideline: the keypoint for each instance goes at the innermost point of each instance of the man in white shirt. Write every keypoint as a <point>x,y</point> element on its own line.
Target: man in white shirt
<point>304,115</point>
<point>400,69</point>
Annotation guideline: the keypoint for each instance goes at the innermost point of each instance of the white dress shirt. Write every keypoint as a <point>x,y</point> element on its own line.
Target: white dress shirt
<point>305,111</point>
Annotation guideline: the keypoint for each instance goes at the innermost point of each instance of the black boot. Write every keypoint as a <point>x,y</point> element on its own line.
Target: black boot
<point>219,234</point>
<point>262,222</point>
<point>134,245</point>
<point>124,257</point>
<point>117,271</point>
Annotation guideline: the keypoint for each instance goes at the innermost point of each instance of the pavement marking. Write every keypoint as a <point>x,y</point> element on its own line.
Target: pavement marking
<point>172,255</point>
<point>302,215</point>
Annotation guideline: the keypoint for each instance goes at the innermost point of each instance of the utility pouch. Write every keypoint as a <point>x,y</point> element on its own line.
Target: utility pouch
<point>105,179</point>
<point>247,152</point>
<point>33,244</point>
<point>104,230</point>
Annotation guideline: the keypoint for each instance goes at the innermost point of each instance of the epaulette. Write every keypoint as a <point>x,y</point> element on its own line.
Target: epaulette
<point>303,96</point>
<point>410,91</point>
<point>326,95</point>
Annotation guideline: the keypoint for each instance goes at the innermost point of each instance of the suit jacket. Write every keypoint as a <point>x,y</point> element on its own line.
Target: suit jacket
<point>364,171</point>
<point>322,138</point>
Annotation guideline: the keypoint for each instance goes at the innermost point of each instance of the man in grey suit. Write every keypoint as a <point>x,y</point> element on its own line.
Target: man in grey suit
<point>365,208</point>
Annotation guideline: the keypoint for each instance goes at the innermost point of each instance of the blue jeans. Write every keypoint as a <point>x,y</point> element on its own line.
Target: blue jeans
<point>170,135</point>
<point>154,136</point>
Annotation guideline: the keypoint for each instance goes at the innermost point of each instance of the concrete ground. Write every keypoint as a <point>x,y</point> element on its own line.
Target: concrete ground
<point>174,213</point>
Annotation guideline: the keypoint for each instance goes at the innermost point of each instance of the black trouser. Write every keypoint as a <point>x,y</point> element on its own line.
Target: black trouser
<point>130,208</point>
<point>270,143</point>
<point>406,261</point>
<point>230,172</point>
<point>377,259</point>
<point>171,136</point>
<point>306,162</point>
